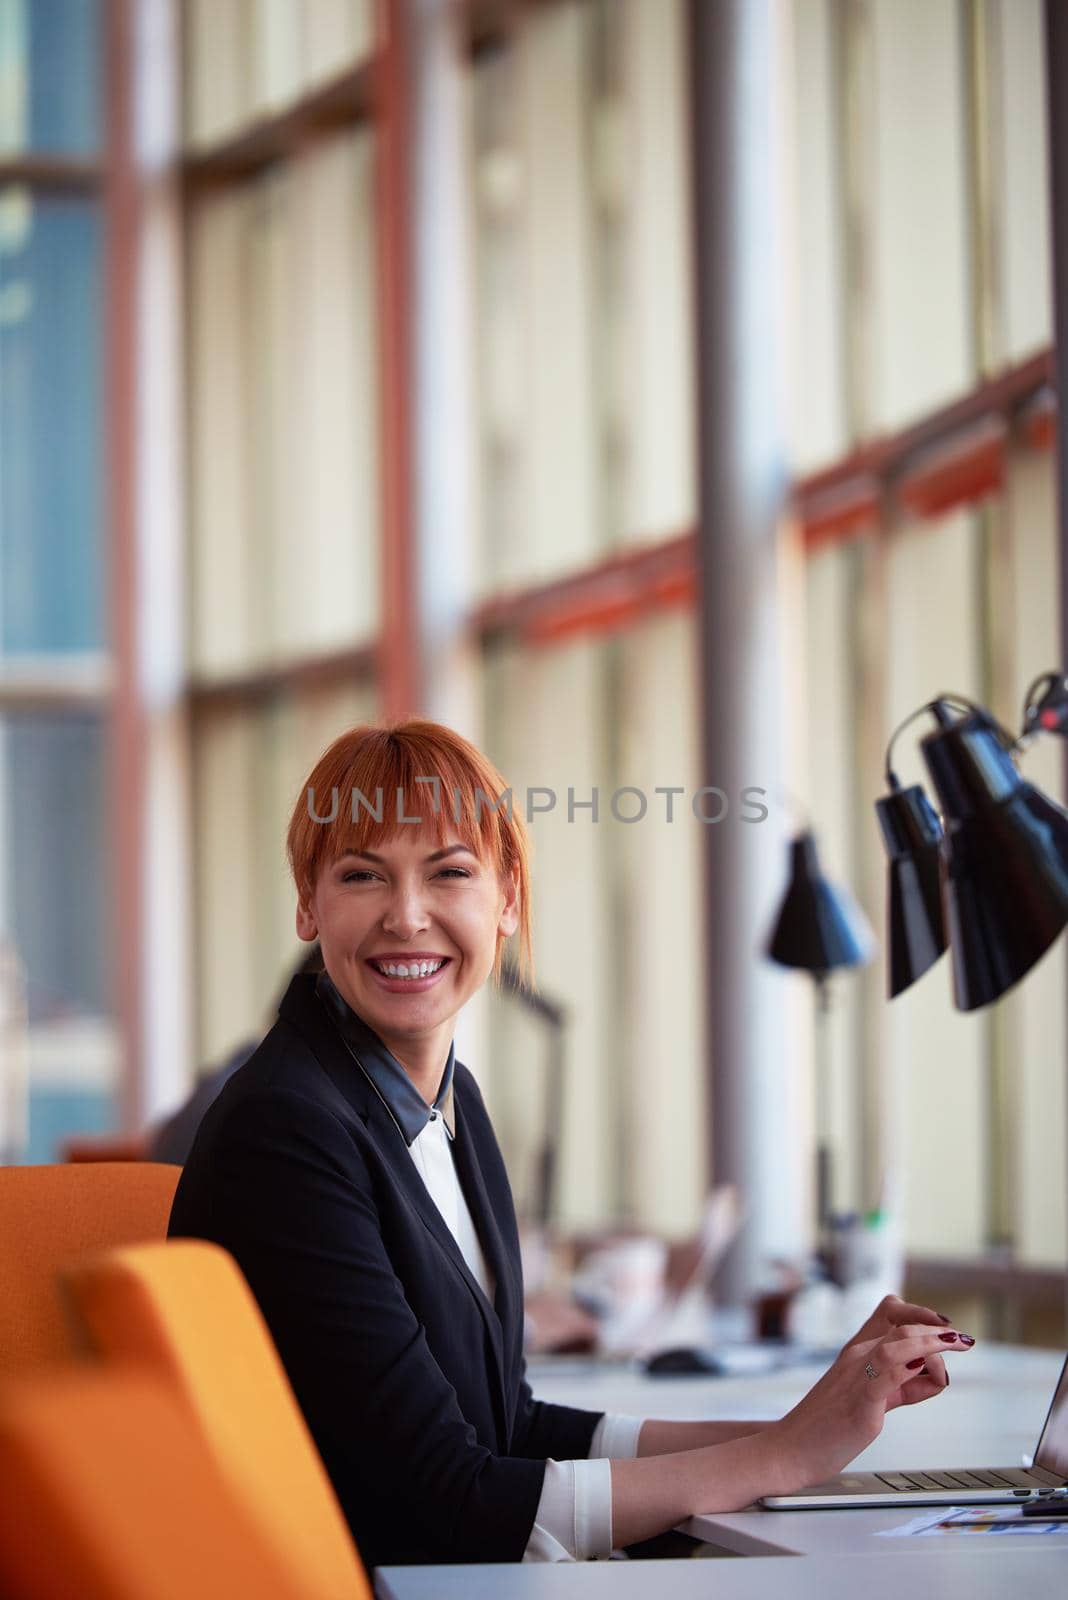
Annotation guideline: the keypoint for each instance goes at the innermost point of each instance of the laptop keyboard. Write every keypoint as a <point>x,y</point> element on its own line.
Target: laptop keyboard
<point>1011,1478</point>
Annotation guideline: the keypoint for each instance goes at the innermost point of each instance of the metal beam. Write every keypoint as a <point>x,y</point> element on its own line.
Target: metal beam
<point>754,1069</point>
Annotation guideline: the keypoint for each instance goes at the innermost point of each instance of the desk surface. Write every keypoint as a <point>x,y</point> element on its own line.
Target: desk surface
<point>990,1415</point>
<point>942,1574</point>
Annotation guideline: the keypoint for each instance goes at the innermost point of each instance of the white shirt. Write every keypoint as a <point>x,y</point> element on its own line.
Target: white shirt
<point>573,1521</point>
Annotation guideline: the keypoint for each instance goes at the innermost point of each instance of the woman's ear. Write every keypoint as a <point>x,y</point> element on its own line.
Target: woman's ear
<point>509,918</point>
<point>307,927</point>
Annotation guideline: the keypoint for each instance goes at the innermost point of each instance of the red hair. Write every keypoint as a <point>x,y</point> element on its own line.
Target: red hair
<point>367,780</point>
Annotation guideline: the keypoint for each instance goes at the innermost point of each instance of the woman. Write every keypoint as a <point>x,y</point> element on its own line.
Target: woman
<point>351,1169</point>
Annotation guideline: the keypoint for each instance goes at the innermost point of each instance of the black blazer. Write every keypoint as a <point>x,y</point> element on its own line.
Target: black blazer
<point>411,1382</point>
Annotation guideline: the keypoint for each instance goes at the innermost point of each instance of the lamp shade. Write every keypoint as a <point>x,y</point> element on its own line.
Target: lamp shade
<point>916,932</point>
<point>819,925</point>
<point>1005,860</point>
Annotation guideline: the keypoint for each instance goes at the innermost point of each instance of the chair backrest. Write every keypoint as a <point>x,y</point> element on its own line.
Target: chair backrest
<point>50,1217</point>
<point>184,1311</point>
<point>109,1493</point>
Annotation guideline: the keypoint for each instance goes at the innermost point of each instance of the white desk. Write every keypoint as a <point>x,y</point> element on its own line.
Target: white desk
<point>990,1415</point>
<point>940,1574</point>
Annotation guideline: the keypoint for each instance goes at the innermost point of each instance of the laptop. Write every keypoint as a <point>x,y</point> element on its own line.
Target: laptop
<point>979,1486</point>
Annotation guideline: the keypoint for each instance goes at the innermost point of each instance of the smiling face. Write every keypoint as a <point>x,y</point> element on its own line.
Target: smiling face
<point>409,931</point>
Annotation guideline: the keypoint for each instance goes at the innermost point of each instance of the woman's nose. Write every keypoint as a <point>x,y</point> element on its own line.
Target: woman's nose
<point>405,914</point>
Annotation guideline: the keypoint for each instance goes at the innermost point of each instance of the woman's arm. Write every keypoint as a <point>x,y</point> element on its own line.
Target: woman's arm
<point>837,1419</point>
<point>662,1438</point>
<point>652,1493</point>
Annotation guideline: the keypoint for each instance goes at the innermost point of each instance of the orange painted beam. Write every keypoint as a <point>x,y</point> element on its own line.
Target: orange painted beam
<point>962,471</point>
<point>399,670</point>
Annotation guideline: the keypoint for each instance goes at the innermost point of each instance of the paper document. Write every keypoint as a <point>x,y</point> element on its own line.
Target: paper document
<point>973,1519</point>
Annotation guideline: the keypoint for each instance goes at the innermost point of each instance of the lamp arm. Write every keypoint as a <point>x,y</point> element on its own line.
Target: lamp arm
<point>1044,681</point>
<point>1045,708</point>
<point>957,701</point>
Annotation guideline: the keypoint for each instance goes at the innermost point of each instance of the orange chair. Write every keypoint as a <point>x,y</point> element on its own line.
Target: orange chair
<point>108,1493</point>
<point>183,1311</point>
<point>49,1218</point>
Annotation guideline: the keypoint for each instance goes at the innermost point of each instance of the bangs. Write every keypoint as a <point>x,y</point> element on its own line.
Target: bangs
<point>390,787</point>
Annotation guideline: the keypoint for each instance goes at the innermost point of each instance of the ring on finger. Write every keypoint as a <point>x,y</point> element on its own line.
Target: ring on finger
<point>870,1371</point>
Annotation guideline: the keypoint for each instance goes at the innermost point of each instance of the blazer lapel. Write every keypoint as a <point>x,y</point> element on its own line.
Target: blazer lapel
<point>500,1259</point>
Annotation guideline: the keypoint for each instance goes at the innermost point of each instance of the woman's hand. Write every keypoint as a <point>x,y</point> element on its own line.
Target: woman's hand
<point>837,1419</point>
<point>844,1411</point>
<point>893,1312</point>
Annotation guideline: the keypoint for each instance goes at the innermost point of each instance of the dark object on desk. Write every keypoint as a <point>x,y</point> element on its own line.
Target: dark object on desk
<point>682,1361</point>
<point>1051,1506</point>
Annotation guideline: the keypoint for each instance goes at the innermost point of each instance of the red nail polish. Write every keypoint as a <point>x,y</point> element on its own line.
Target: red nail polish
<point>966,1338</point>
<point>912,1365</point>
<point>942,1318</point>
<point>948,1338</point>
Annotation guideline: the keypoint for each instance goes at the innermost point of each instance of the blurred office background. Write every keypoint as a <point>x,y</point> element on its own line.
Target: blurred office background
<point>348,366</point>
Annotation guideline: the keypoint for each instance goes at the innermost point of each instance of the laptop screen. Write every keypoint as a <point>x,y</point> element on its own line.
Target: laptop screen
<point>1052,1452</point>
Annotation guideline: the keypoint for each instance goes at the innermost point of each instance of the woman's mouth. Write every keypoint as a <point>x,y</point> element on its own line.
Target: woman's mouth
<point>408,974</point>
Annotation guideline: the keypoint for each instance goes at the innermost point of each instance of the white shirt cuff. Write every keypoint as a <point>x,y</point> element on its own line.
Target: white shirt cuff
<point>616,1436</point>
<point>573,1521</point>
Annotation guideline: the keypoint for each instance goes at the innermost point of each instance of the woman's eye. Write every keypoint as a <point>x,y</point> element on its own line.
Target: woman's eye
<point>360,875</point>
<point>453,872</point>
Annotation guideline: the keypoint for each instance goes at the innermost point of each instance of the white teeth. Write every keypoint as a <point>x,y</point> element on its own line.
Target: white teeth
<point>412,969</point>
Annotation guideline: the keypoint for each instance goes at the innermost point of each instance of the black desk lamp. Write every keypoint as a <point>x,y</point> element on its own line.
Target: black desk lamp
<point>991,879</point>
<point>819,928</point>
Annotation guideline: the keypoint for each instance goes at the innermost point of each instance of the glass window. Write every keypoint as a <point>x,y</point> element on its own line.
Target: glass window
<point>584,260</point>
<point>335,34</point>
<point>934,644</point>
<point>229,582</point>
<point>659,1077</point>
<point>284,374</point>
<point>1036,1022</point>
<point>220,60</point>
<point>248,58</point>
<point>643,257</point>
<point>616,909</point>
<point>501,350</point>
<point>921,304</point>
<point>52,561</point>
<point>817,322</point>
<point>250,763</point>
<point>546,729</point>
<point>326,548</point>
<point>1019,97</point>
<point>54,875</point>
<point>50,76</point>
